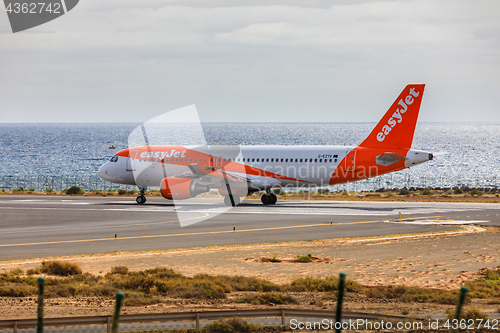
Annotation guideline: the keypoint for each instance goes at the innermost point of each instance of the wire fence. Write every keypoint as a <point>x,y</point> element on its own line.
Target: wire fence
<point>41,183</point>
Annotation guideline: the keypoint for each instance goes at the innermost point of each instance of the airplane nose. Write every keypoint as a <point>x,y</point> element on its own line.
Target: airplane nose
<point>102,171</point>
<point>431,157</point>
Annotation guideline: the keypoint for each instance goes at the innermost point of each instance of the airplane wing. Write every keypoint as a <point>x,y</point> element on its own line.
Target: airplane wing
<point>212,175</point>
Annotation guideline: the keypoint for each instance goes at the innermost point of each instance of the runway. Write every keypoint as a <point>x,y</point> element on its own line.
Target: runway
<point>40,226</point>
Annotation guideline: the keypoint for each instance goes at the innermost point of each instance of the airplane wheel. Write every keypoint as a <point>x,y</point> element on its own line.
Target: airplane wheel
<point>274,198</point>
<point>267,199</point>
<point>140,200</point>
<point>227,201</point>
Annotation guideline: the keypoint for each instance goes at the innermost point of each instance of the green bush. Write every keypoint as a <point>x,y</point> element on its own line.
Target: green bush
<point>60,268</point>
<point>403,191</point>
<point>476,192</point>
<point>304,259</point>
<point>74,190</point>
<point>458,191</point>
<point>426,192</point>
<point>122,192</point>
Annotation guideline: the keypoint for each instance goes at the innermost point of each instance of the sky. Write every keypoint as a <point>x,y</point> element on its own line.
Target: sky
<point>253,61</point>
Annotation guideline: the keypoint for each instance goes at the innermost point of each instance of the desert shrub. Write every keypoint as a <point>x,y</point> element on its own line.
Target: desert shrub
<point>105,290</point>
<point>68,289</point>
<point>122,192</point>
<point>132,192</point>
<point>267,298</point>
<point>274,258</point>
<point>458,191</point>
<point>31,190</point>
<point>17,272</point>
<point>304,259</point>
<point>230,325</point>
<point>60,268</point>
<point>74,190</point>
<point>122,270</point>
<point>414,294</point>
<point>219,326</point>
<point>134,299</point>
<point>469,314</point>
<point>33,271</point>
<point>17,290</point>
<point>403,191</point>
<point>476,192</point>
<point>426,192</point>
<point>487,285</point>
<point>241,325</point>
<point>49,190</point>
<point>330,283</point>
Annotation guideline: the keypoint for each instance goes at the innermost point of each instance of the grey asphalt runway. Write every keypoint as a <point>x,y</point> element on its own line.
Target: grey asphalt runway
<point>40,226</point>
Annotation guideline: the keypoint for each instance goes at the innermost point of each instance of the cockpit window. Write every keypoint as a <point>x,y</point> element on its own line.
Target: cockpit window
<point>113,159</point>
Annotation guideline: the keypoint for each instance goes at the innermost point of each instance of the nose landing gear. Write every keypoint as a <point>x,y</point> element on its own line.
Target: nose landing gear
<point>141,199</point>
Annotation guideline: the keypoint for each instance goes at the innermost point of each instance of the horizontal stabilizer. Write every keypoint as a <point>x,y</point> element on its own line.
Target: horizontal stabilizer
<point>387,159</point>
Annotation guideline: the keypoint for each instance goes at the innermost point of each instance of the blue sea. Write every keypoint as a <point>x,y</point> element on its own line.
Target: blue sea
<point>58,155</point>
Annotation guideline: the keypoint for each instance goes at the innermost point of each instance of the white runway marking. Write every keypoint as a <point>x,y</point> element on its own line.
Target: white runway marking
<point>303,207</point>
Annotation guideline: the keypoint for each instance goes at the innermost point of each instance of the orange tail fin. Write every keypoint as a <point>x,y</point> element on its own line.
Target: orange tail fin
<point>397,127</point>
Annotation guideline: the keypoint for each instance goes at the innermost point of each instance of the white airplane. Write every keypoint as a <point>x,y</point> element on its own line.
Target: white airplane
<point>183,172</point>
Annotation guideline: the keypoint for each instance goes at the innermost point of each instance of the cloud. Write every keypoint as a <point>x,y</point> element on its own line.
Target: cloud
<point>105,61</point>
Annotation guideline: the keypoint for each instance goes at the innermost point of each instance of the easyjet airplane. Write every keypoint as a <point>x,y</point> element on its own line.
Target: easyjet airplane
<point>183,172</point>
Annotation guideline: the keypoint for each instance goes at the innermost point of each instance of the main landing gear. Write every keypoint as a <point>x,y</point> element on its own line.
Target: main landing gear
<point>141,199</point>
<point>269,199</point>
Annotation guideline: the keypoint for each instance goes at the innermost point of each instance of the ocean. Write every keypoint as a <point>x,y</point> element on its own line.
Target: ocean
<point>59,155</point>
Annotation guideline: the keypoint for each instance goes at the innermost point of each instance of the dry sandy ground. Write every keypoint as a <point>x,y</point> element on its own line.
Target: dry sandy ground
<point>442,260</point>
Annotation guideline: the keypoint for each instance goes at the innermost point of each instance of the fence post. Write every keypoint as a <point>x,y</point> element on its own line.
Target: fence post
<point>108,329</point>
<point>39,322</point>
<point>340,298</point>
<point>461,300</point>
<point>116,317</point>
<point>197,321</point>
<point>283,321</point>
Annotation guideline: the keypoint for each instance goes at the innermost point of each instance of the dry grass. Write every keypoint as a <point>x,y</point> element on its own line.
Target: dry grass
<point>60,268</point>
<point>230,325</point>
<point>414,294</point>
<point>148,286</point>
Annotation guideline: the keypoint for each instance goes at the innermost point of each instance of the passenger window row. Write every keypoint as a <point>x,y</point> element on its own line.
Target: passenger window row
<point>247,160</point>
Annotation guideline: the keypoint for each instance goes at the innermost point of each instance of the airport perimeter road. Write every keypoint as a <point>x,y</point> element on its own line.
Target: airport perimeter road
<point>39,226</point>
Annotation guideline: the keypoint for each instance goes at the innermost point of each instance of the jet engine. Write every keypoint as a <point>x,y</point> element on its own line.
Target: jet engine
<point>181,188</point>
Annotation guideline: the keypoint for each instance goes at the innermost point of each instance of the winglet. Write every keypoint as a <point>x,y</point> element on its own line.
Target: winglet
<point>397,127</point>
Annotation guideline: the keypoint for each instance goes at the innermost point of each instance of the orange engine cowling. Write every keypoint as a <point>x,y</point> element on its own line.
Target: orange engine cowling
<point>181,188</point>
